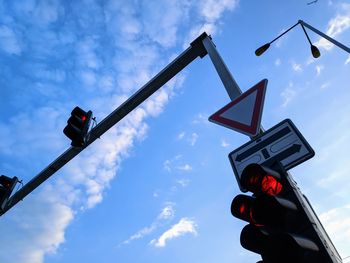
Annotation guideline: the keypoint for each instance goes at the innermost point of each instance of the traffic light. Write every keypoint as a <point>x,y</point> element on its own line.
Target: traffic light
<point>7,185</point>
<point>279,228</point>
<point>78,126</point>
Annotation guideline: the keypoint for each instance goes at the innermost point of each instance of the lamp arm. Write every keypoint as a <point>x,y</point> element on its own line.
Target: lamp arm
<point>284,32</point>
<point>325,36</point>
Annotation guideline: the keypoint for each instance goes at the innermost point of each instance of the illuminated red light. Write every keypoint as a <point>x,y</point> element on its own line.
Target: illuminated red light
<point>83,118</point>
<point>242,208</point>
<point>270,185</point>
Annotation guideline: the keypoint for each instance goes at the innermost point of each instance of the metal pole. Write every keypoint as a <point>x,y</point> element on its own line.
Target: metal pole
<point>195,50</point>
<point>225,75</point>
<point>335,42</point>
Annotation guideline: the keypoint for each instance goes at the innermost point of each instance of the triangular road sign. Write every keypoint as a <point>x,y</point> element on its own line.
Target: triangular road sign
<point>243,114</point>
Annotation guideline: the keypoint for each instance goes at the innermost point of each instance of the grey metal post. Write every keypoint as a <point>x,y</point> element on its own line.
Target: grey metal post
<point>225,75</point>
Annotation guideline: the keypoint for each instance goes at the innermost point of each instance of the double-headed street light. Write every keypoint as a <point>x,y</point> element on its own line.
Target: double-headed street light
<point>314,50</point>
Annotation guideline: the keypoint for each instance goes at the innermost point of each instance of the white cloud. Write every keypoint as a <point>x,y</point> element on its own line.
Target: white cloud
<point>277,62</point>
<point>140,234</point>
<point>39,229</point>
<point>347,61</point>
<point>88,78</point>
<point>166,214</point>
<point>224,143</point>
<point>201,118</point>
<point>154,106</point>
<point>184,226</point>
<point>40,12</point>
<point>167,165</point>
<point>56,75</point>
<point>183,182</point>
<point>325,85</point>
<point>336,26</point>
<point>162,20</point>
<point>193,138</point>
<point>101,166</point>
<point>176,163</point>
<point>288,94</point>
<point>337,224</point>
<point>185,167</point>
<point>296,67</point>
<point>212,10</point>
<point>106,83</point>
<point>87,56</point>
<point>10,42</point>
<point>47,12</point>
<point>319,68</point>
<point>181,135</point>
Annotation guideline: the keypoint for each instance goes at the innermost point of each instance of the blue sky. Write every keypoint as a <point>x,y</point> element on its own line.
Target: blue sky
<point>158,186</point>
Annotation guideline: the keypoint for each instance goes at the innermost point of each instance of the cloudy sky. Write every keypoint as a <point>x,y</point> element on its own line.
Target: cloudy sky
<point>158,186</point>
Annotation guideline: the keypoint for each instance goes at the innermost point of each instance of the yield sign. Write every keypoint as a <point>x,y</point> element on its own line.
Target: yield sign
<point>243,114</point>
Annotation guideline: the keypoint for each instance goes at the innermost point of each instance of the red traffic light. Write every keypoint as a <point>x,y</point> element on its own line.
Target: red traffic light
<point>259,179</point>
<point>78,126</point>
<point>80,114</point>
<point>262,210</point>
<point>242,208</point>
<point>280,228</point>
<point>7,184</point>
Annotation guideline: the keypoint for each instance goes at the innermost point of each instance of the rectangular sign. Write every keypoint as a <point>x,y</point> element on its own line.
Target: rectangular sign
<point>283,143</point>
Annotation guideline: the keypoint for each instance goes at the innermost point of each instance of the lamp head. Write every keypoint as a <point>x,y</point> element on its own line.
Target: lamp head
<point>315,51</point>
<point>262,49</point>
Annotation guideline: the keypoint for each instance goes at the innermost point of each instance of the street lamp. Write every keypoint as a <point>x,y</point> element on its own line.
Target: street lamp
<point>314,50</point>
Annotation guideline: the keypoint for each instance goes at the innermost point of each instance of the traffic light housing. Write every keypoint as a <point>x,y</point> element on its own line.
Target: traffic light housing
<point>280,228</point>
<point>7,184</point>
<point>78,126</point>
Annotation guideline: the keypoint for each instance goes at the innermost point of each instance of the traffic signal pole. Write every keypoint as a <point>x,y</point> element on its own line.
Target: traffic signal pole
<point>225,75</point>
<point>317,225</point>
<point>200,47</point>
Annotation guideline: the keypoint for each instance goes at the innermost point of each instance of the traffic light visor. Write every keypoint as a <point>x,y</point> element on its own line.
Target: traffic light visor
<point>79,113</point>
